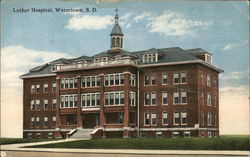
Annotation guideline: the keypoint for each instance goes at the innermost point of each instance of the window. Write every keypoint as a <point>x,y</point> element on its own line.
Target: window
<point>32,107</point>
<point>37,122</point>
<point>215,100</point>
<point>147,99</point>
<point>153,79</point>
<point>187,134</point>
<point>202,98</point>
<point>53,103</point>
<point>132,98</point>
<point>146,119</point>
<point>202,118</point>
<point>54,87</point>
<point>120,117</point>
<point>33,89</point>
<point>114,79</point>
<point>114,98</point>
<point>176,77</point>
<point>150,99</point>
<point>184,97</point>
<point>46,88</point>
<point>153,119</point>
<point>35,105</point>
<point>50,135</point>
<point>176,118</point>
<point>209,99</point>
<point>46,121</point>
<point>153,98</point>
<point>158,134</point>
<point>183,118</point>
<point>215,120</point>
<point>67,83</point>
<point>38,135</point>
<point>37,88</point>
<point>90,81</point>
<point>164,78</point>
<point>30,134</point>
<point>164,118</point>
<point>209,80</point>
<point>32,121</point>
<point>209,119</point>
<point>208,58</point>
<point>46,106</point>
<point>132,80</point>
<point>54,121</point>
<point>164,98</point>
<point>215,83</point>
<point>91,100</point>
<point>183,77</point>
<point>176,97</point>
<point>151,57</point>
<point>146,79</point>
<point>67,101</point>
<point>175,134</point>
<point>209,133</point>
<point>202,78</point>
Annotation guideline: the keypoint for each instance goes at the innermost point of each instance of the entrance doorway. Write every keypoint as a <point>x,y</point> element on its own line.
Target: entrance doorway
<point>91,120</point>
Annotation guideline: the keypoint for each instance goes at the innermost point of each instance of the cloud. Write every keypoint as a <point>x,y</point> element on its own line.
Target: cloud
<point>234,110</point>
<point>89,22</point>
<point>232,46</point>
<point>124,20</point>
<point>235,75</point>
<point>171,23</point>
<point>17,60</point>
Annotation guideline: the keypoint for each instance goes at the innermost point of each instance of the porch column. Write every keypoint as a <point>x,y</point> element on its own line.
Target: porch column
<point>79,116</point>
<point>126,104</point>
<point>58,120</point>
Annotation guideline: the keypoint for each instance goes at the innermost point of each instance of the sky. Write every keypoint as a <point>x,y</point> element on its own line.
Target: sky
<point>29,39</point>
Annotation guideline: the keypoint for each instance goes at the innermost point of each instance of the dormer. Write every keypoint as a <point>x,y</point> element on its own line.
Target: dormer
<point>151,56</point>
<point>202,54</point>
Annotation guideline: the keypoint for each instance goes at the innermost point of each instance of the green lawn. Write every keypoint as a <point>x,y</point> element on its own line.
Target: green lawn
<point>220,143</point>
<point>21,140</point>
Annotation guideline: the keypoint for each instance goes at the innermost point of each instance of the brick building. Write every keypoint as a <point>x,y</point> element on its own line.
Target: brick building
<point>168,92</point>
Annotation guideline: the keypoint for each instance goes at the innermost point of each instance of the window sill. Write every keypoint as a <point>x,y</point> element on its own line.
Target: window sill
<point>91,87</point>
<point>112,105</point>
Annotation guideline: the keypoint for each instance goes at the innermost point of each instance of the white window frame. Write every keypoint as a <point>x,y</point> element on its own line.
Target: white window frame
<point>46,102</point>
<point>53,102</point>
<point>208,80</point>
<point>185,76</point>
<point>176,75</point>
<point>132,79</point>
<point>153,116</point>
<point>153,75</point>
<point>90,96</point>
<point>68,98</point>
<point>147,93</point>
<point>184,95</point>
<point>148,76</point>
<point>132,96</point>
<point>46,86</point>
<point>175,133</point>
<point>176,113</point>
<point>174,96</point>
<point>182,116</point>
<point>33,88</point>
<point>46,119</point>
<point>163,117</point>
<point>209,99</point>
<point>153,93</point>
<point>121,75</point>
<point>209,119</point>
<point>67,81</point>
<point>163,97</point>
<point>53,86</point>
<point>114,93</point>
<point>164,77</point>
<point>147,118</point>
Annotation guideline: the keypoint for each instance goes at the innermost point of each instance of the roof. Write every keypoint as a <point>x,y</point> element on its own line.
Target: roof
<point>197,51</point>
<point>116,30</point>
<point>168,55</point>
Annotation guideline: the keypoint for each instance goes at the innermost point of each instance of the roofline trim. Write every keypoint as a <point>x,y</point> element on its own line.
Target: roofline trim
<point>34,76</point>
<point>184,62</point>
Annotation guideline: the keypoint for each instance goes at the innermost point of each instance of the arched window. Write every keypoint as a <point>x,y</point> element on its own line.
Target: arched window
<point>113,42</point>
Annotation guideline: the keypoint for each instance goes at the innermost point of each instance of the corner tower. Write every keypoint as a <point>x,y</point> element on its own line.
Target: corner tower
<point>116,36</point>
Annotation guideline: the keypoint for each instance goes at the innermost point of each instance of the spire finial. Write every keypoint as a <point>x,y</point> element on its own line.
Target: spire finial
<point>116,11</point>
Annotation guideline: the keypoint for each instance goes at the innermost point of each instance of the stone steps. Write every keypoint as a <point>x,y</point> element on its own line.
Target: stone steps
<point>82,133</point>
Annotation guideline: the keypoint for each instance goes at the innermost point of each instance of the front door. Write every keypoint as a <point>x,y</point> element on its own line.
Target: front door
<point>91,120</point>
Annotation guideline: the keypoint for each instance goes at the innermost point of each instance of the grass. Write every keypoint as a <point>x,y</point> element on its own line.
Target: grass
<point>21,140</point>
<point>220,143</point>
